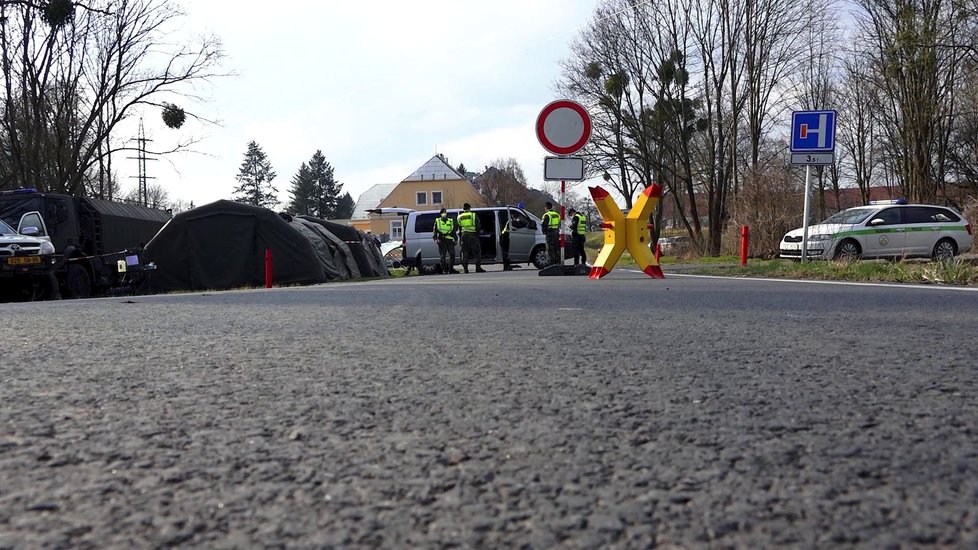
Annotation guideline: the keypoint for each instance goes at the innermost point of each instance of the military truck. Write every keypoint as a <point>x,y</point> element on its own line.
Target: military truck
<point>98,243</point>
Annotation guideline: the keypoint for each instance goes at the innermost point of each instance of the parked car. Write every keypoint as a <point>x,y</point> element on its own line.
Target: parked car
<point>27,263</point>
<point>527,243</point>
<point>884,229</point>
<point>673,246</point>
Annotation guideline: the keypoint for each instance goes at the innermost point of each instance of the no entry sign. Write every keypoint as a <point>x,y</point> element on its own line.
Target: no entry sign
<point>563,127</point>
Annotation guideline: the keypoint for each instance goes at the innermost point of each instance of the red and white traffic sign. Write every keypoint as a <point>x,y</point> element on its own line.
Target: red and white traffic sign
<point>563,127</point>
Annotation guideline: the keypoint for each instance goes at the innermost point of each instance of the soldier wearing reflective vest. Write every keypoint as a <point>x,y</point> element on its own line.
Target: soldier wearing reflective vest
<point>444,234</point>
<point>468,226</point>
<point>551,228</point>
<point>578,228</point>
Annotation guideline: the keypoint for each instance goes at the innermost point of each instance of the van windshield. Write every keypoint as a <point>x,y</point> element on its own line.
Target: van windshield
<point>849,216</point>
<point>6,229</point>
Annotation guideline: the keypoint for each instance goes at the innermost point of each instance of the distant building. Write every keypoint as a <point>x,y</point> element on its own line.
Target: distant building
<point>433,186</point>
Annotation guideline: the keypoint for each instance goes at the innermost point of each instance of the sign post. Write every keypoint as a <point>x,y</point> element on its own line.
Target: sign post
<point>812,144</point>
<point>563,127</point>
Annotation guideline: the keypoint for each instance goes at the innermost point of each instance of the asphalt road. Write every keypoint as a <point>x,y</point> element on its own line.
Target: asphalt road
<point>493,410</point>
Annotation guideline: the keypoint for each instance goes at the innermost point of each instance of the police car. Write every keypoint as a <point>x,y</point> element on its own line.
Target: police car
<point>884,229</point>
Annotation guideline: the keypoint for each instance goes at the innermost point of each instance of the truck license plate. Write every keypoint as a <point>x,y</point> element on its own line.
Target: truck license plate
<point>24,260</point>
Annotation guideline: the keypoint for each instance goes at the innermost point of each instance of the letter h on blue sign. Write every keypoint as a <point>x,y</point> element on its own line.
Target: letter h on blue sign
<point>813,131</point>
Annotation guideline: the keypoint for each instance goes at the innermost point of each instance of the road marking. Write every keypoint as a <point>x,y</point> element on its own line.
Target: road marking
<point>817,282</point>
<point>569,309</point>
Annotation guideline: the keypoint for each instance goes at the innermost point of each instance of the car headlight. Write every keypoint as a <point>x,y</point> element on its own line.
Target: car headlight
<point>821,237</point>
<point>46,248</point>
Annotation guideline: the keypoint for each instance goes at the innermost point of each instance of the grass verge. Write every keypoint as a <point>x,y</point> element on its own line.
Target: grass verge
<point>955,272</point>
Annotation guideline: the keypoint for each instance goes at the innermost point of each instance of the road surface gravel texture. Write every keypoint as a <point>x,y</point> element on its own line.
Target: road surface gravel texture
<point>496,410</point>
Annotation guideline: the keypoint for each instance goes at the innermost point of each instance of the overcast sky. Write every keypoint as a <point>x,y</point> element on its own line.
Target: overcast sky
<point>378,86</point>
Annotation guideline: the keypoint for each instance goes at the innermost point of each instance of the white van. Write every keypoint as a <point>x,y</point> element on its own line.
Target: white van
<point>527,243</point>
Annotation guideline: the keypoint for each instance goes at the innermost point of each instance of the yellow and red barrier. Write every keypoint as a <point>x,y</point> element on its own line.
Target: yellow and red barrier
<point>623,232</point>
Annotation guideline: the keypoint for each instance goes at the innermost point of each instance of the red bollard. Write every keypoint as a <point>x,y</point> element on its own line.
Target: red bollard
<point>744,243</point>
<point>268,268</point>
<point>658,251</point>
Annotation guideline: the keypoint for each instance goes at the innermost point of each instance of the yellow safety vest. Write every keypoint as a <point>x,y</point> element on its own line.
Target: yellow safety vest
<point>581,224</point>
<point>466,221</point>
<point>552,219</point>
<point>445,227</point>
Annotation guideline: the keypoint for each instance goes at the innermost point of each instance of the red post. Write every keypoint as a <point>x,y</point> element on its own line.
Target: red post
<point>268,268</point>
<point>744,243</point>
<point>658,251</point>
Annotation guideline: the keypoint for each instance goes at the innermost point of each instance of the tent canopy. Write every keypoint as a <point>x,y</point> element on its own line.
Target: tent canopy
<point>222,245</point>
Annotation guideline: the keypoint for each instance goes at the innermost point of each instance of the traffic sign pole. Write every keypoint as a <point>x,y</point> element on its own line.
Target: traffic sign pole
<point>563,184</point>
<point>808,204</point>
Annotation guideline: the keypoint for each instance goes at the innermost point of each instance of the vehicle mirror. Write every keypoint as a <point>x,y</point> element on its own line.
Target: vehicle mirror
<point>30,231</point>
<point>877,221</point>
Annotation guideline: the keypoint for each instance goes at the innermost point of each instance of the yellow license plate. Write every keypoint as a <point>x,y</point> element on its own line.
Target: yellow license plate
<point>24,260</point>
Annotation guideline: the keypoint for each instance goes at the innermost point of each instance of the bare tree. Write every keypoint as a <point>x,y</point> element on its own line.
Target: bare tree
<point>70,81</point>
<point>815,89</point>
<point>156,197</point>
<point>502,182</point>
<point>858,129</point>
<point>915,50</point>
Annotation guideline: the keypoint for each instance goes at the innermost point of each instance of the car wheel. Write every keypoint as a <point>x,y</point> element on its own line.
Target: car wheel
<point>539,257</point>
<point>77,281</point>
<point>848,250</point>
<point>944,250</point>
<point>428,269</point>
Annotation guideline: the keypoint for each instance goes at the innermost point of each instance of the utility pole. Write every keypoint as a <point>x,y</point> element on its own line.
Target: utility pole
<point>141,157</point>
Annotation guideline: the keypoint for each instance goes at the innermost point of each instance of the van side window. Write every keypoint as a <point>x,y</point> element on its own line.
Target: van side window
<point>521,221</point>
<point>424,223</point>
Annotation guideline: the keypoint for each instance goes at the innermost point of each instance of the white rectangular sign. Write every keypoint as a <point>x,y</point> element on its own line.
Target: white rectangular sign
<point>813,159</point>
<point>563,168</point>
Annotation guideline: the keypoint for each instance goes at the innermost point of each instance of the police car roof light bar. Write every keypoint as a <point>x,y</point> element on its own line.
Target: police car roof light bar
<point>891,201</point>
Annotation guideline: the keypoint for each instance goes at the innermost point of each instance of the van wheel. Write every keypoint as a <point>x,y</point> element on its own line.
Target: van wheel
<point>427,269</point>
<point>848,250</point>
<point>539,257</point>
<point>77,282</point>
<point>944,250</point>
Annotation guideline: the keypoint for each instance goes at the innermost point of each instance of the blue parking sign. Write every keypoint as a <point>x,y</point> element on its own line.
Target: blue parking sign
<point>813,131</point>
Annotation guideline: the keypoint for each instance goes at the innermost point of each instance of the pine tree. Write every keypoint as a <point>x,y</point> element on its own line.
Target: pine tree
<point>303,192</point>
<point>344,207</point>
<point>255,176</point>
<point>327,188</point>
<point>315,192</point>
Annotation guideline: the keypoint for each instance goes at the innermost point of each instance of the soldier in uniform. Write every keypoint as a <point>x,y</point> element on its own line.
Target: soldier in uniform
<point>504,241</point>
<point>468,225</point>
<point>578,229</point>
<point>444,234</point>
<point>551,228</point>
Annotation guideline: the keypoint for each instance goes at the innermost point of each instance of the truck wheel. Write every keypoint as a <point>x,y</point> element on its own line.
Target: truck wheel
<point>78,284</point>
